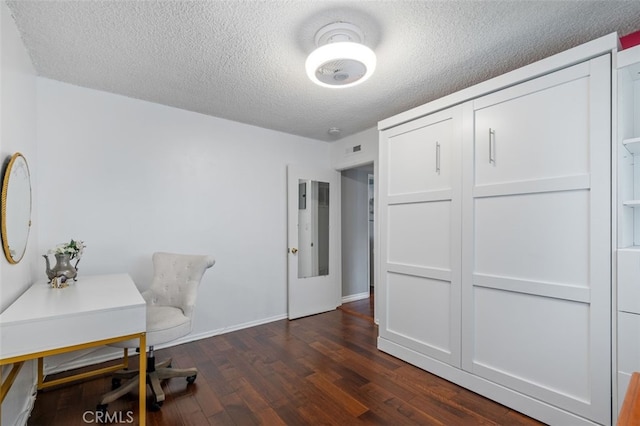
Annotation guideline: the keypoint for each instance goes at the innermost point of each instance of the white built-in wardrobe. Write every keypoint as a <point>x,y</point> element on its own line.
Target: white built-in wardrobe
<point>496,237</point>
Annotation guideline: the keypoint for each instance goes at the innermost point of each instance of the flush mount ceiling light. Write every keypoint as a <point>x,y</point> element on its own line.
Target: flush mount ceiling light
<point>340,59</point>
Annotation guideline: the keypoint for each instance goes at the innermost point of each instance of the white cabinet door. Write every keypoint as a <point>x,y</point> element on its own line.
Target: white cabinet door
<point>537,239</point>
<point>420,240</point>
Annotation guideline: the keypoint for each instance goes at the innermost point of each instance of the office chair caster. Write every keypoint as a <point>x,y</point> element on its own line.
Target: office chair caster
<point>191,379</point>
<point>101,413</point>
<point>155,404</point>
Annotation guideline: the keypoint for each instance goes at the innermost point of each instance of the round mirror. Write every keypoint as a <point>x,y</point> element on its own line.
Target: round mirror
<point>16,208</point>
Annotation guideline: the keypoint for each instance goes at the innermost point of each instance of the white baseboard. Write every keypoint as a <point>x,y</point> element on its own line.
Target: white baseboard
<point>225,330</point>
<point>354,297</point>
<point>102,354</point>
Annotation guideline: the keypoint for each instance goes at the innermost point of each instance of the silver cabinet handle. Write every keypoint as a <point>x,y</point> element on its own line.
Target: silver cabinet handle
<point>492,141</point>
<point>438,157</point>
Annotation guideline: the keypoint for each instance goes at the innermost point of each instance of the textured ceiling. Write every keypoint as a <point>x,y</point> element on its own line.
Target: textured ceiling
<point>244,60</point>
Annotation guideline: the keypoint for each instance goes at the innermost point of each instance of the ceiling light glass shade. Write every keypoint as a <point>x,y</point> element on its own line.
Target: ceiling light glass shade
<point>340,64</point>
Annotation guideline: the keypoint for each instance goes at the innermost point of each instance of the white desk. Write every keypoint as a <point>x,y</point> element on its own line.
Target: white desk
<point>94,311</point>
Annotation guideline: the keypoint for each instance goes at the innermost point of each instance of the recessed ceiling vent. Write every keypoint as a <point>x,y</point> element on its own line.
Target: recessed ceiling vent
<point>340,59</point>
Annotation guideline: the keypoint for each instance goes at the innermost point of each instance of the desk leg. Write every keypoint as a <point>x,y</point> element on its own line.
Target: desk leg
<point>142,403</point>
<point>6,385</point>
<point>40,372</point>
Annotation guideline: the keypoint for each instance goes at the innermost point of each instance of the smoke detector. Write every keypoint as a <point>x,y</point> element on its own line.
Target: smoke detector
<point>341,60</point>
<point>334,131</point>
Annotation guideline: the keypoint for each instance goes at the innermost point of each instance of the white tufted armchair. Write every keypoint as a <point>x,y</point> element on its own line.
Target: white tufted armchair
<point>171,301</point>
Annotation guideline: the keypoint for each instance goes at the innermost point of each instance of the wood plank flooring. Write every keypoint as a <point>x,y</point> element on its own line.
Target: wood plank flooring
<point>324,369</point>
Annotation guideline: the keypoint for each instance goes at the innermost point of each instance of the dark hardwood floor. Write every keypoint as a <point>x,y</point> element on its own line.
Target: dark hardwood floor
<point>323,369</point>
<point>362,308</point>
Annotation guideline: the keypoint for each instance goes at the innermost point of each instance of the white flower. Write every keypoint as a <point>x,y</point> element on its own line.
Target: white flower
<point>74,248</point>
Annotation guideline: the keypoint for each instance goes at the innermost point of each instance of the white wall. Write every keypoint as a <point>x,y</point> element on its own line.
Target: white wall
<point>131,177</point>
<point>17,134</point>
<point>342,155</point>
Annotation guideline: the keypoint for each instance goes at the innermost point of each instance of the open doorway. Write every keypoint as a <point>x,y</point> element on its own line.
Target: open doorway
<point>357,192</point>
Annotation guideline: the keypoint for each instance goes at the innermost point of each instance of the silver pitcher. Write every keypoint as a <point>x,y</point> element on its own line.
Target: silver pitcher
<point>63,268</point>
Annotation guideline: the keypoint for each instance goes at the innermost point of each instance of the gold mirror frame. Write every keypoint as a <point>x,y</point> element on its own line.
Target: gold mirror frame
<point>15,208</point>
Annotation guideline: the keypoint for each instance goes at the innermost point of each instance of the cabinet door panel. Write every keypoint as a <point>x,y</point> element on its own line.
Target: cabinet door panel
<point>629,280</point>
<point>419,234</point>
<point>420,157</point>
<point>538,357</point>
<point>537,133</point>
<point>536,237</point>
<point>424,321</point>
<point>628,351</point>
<point>629,338</point>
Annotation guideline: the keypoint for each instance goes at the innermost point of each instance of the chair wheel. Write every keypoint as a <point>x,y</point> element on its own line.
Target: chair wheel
<point>115,383</point>
<point>191,379</point>
<point>102,409</point>
<point>155,405</point>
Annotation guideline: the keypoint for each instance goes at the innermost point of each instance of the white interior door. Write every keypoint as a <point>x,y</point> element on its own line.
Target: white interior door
<point>314,271</point>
